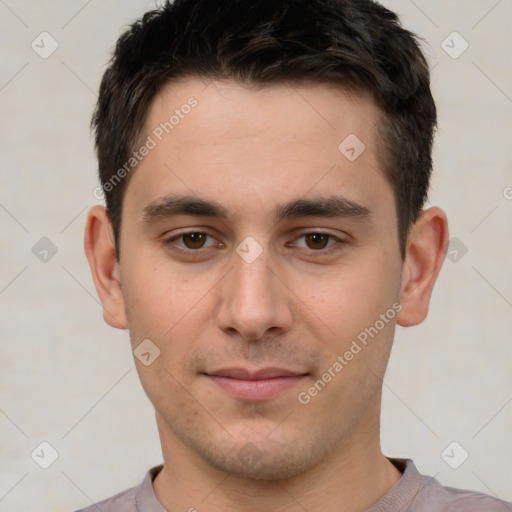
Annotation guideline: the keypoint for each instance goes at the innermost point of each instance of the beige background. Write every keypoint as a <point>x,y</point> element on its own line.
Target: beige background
<point>69,379</point>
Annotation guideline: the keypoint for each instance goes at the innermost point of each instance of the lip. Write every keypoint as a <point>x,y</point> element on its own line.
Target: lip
<point>258,385</point>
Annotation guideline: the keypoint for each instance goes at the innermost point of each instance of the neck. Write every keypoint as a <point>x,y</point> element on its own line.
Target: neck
<point>352,478</point>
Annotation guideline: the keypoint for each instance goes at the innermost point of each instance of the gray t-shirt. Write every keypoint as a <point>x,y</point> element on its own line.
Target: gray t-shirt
<point>412,493</point>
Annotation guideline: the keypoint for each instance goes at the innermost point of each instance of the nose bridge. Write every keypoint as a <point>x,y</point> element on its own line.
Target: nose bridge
<point>253,279</point>
<point>253,300</point>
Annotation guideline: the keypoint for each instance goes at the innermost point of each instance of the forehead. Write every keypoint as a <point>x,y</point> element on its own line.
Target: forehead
<point>239,111</point>
<point>226,139</point>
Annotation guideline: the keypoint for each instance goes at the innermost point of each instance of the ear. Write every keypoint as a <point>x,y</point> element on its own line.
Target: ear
<point>425,253</point>
<point>101,253</point>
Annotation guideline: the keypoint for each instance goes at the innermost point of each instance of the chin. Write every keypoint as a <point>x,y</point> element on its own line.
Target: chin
<point>252,463</point>
<point>262,458</point>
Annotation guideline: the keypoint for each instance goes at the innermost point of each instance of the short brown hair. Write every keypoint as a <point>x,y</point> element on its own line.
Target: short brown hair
<point>355,44</point>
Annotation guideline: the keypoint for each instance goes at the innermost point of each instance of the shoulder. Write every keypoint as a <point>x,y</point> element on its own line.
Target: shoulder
<point>135,499</point>
<point>421,493</point>
<point>123,501</point>
<point>436,496</point>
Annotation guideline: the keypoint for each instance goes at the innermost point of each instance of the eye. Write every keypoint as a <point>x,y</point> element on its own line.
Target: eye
<point>319,242</point>
<point>191,241</point>
<point>194,240</point>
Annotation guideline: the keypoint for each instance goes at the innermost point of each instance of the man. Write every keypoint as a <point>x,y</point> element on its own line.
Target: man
<point>265,166</point>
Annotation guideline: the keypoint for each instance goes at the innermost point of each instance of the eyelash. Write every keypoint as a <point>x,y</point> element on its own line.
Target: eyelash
<point>169,243</point>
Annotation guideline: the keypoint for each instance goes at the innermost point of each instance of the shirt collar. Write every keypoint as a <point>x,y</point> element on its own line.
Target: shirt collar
<point>145,497</point>
<point>397,498</point>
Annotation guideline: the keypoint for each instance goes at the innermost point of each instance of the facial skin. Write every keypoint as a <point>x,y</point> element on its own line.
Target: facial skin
<point>298,306</point>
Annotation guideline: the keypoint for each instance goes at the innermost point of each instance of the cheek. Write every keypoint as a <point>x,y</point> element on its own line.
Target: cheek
<point>150,309</point>
<point>170,309</point>
<point>155,295</point>
<point>353,297</point>
<point>160,385</point>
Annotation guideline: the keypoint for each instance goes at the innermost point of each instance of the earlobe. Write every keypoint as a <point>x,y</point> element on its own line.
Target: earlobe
<point>426,248</point>
<point>101,253</point>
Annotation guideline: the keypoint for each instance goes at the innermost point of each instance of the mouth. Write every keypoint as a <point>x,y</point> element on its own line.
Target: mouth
<point>258,385</point>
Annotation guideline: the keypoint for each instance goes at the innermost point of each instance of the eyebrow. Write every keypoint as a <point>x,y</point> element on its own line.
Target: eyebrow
<point>332,206</point>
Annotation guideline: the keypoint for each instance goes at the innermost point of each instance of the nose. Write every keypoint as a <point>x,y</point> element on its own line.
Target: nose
<point>254,301</point>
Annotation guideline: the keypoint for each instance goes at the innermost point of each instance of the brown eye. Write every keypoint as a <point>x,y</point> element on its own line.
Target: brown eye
<point>194,240</point>
<point>191,243</point>
<point>317,240</point>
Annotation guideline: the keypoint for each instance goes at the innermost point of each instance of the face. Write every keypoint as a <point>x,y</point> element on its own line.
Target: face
<point>261,258</point>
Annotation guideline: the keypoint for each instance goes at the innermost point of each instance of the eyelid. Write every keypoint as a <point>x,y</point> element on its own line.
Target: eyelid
<point>321,231</point>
